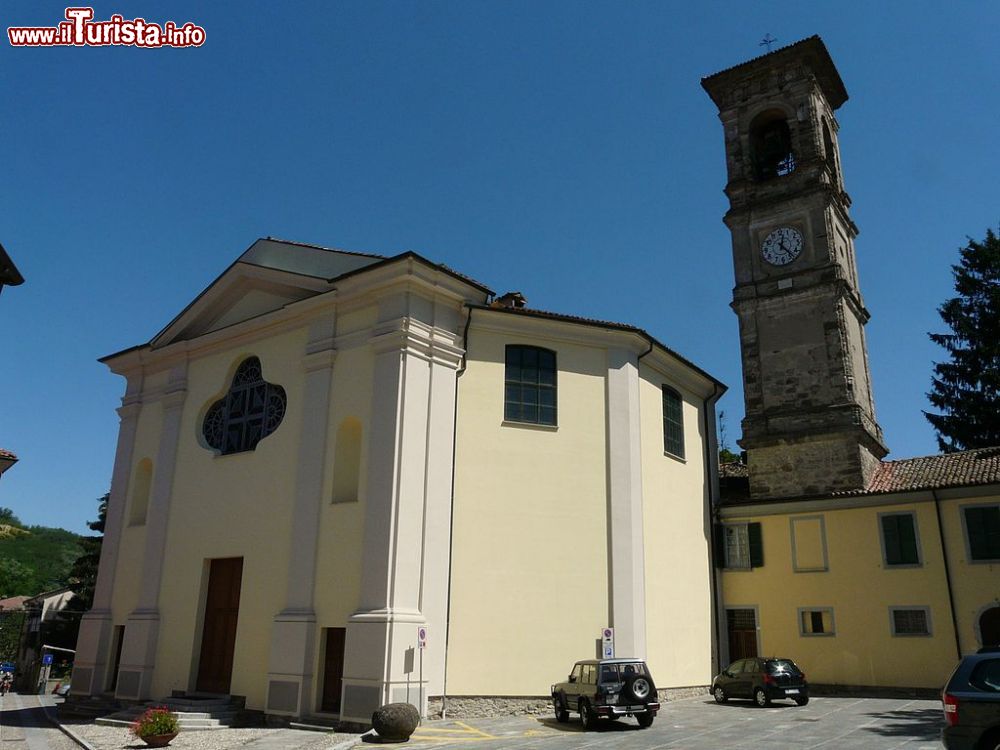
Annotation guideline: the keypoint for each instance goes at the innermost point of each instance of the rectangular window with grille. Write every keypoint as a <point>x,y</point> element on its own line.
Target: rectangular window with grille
<point>673,422</point>
<point>982,528</point>
<point>910,620</point>
<point>899,539</point>
<point>530,385</point>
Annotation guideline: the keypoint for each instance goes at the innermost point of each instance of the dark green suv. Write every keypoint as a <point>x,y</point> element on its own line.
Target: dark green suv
<point>971,701</point>
<point>607,689</point>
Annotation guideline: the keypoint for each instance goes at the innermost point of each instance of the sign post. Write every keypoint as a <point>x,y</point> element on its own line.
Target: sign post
<point>608,643</point>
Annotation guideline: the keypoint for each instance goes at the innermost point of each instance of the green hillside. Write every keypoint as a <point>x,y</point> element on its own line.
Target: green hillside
<point>34,559</point>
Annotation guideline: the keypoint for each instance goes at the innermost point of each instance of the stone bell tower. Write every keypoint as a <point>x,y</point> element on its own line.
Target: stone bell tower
<point>810,424</point>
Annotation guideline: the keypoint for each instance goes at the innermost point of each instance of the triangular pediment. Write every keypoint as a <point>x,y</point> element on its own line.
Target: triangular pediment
<point>241,293</point>
<point>268,276</point>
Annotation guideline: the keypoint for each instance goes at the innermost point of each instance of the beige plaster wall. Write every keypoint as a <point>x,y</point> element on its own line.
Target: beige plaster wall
<point>530,560</point>
<point>678,567</point>
<point>230,506</point>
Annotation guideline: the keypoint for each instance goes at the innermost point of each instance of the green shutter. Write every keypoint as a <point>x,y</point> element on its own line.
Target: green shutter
<point>756,545</point>
<point>907,540</point>
<point>719,545</point>
<point>899,534</point>
<point>983,526</point>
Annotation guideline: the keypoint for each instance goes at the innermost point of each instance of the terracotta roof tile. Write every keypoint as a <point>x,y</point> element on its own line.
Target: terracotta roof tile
<point>981,466</point>
<point>733,470</point>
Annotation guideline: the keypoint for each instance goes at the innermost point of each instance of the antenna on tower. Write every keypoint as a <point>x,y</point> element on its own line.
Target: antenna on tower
<point>767,41</point>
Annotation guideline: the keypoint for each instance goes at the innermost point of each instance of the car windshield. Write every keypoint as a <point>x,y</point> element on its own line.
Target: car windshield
<point>621,672</point>
<point>782,666</point>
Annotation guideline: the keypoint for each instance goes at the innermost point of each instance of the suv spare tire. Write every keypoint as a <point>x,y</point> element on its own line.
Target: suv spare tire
<point>639,688</point>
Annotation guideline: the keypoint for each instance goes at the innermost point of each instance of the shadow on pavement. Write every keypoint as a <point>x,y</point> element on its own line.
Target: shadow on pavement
<point>29,718</point>
<point>920,723</point>
<point>574,725</point>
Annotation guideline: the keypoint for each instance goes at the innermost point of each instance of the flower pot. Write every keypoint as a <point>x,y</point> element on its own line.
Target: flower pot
<point>159,740</point>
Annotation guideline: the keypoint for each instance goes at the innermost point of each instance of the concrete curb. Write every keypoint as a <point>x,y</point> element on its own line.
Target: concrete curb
<point>50,714</point>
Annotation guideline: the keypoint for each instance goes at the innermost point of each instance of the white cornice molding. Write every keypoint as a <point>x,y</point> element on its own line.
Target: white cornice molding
<point>413,337</point>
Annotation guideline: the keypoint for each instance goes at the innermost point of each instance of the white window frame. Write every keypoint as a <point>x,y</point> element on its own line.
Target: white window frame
<point>744,533</point>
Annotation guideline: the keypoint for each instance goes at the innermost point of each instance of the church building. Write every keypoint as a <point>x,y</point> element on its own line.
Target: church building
<point>344,480</point>
<point>869,573</point>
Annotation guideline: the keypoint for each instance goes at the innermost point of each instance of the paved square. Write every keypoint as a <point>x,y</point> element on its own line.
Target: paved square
<point>700,724</point>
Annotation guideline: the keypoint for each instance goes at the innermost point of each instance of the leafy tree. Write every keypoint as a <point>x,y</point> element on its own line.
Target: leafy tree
<point>16,579</point>
<point>11,625</point>
<point>966,389</point>
<point>83,574</point>
<point>7,518</point>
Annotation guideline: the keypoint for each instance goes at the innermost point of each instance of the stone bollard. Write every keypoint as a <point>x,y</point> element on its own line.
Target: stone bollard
<point>395,722</point>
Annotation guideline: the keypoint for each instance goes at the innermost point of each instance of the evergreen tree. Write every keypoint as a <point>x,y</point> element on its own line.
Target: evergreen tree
<point>83,575</point>
<point>966,389</point>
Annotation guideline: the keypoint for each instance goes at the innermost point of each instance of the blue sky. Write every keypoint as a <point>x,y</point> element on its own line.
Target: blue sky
<point>563,149</point>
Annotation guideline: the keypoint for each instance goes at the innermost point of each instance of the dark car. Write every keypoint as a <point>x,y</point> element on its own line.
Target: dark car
<point>762,679</point>
<point>607,689</point>
<point>971,699</point>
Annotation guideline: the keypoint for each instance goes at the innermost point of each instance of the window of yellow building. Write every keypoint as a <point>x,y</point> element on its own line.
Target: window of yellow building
<point>982,532</point>
<point>900,540</point>
<point>816,621</point>
<point>908,621</point>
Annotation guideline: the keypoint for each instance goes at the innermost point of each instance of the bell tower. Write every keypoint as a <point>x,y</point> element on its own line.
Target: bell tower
<point>810,424</point>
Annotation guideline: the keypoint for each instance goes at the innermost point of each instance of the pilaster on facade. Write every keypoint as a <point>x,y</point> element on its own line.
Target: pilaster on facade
<point>628,586</point>
<point>138,657</point>
<point>293,632</point>
<point>96,627</point>
<point>407,516</point>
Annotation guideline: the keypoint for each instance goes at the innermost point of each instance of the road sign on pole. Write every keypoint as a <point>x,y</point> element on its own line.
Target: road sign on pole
<point>422,637</point>
<point>608,643</point>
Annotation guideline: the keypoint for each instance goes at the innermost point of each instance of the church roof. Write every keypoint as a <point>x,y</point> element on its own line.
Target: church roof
<point>531,312</point>
<point>7,454</point>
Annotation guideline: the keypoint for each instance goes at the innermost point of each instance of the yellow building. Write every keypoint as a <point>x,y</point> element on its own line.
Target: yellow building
<point>343,480</point>
<point>886,587</point>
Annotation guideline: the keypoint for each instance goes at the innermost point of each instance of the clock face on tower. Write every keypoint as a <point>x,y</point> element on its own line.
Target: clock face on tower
<point>782,246</point>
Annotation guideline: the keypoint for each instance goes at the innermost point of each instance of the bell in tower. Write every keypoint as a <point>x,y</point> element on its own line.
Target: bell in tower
<point>810,424</point>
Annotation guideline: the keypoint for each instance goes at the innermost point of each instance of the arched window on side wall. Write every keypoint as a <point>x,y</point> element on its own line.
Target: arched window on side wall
<point>347,461</point>
<point>829,152</point>
<point>142,482</point>
<point>771,146</point>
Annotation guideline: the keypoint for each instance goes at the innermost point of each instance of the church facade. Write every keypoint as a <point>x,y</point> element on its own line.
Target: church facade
<point>869,573</point>
<point>344,480</point>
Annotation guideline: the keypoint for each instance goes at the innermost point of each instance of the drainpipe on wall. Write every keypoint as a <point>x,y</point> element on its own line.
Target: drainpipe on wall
<point>712,473</point>
<point>947,575</point>
<point>451,523</point>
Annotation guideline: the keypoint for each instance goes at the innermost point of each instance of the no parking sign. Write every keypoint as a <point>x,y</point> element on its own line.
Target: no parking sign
<point>607,643</point>
<point>422,637</point>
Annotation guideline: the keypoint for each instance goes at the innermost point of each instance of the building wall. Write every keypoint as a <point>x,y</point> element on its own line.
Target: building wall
<point>230,506</point>
<point>839,557</point>
<point>676,540</point>
<point>976,585</point>
<point>530,560</point>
